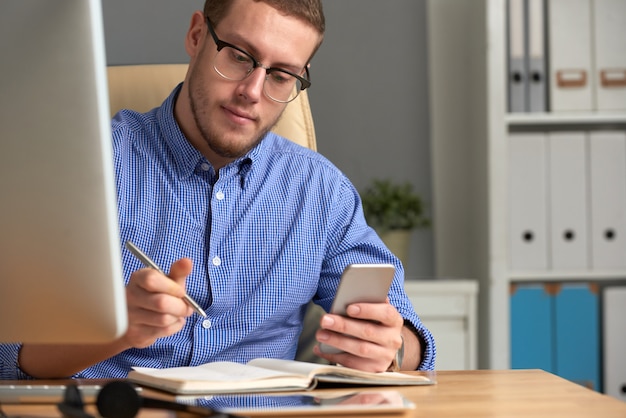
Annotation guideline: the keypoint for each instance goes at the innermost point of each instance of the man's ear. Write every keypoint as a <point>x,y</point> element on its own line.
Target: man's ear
<point>196,34</point>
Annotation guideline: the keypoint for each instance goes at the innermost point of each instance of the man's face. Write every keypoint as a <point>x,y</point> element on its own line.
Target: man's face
<point>230,117</point>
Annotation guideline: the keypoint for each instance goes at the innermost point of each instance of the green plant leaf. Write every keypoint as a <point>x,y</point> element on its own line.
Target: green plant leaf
<point>389,206</point>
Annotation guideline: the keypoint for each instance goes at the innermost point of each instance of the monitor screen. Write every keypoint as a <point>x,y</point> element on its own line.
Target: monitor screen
<point>60,266</point>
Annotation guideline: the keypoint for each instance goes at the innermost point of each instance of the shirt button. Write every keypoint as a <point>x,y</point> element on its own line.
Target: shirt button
<point>219,195</point>
<point>216,261</point>
<point>206,324</point>
<point>205,166</point>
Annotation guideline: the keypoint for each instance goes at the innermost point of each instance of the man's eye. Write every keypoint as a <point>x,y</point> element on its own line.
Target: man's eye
<point>238,57</point>
<point>280,77</point>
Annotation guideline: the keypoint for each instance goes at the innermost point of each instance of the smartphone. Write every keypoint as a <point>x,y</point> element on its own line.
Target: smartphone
<point>360,283</point>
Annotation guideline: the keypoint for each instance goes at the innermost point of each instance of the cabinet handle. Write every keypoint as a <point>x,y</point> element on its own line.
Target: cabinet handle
<point>516,77</point>
<point>613,77</point>
<point>528,236</point>
<point>609,234</point>
<point>536,77</point>
<point>571,78</point>
<point>569,235</point>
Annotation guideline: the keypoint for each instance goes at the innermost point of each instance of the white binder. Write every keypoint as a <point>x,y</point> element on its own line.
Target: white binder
<point>568,200</point>
<point>528,229</point>
<point>607,167</point>
<point>518,78</point>
<point>609,23</point>
<point>536,56</point>
<point>614,341</point>
<point>569,34</point>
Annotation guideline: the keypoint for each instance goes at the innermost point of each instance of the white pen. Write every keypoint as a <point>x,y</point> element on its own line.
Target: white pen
<point>149,263</point>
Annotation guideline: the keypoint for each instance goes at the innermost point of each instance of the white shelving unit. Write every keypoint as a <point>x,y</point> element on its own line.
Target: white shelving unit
<point>470,126</point>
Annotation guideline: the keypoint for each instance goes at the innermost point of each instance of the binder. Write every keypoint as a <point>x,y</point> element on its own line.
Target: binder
<point>568,200</point>
<point>532,328</point>
<point>536,56</point>
<point>576,308</point>
<point>569,34</point>
<point>546,324</point>
<point>614,341</point>
<point>607,167</point>
<point>609,24</point>
<point>517,63</point>
<point>528,225</point>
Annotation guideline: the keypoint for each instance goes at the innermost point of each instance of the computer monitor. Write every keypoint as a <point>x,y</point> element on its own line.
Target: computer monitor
<point>60,265</point>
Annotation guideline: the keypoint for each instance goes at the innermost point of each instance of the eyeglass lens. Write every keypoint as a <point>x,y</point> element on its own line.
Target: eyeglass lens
<point>279,85</point>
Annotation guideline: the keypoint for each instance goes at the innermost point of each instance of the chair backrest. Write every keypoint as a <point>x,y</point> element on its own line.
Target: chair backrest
<point>143,87</point>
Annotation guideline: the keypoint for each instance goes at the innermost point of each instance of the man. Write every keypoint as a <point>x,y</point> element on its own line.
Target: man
<point>251,225</point>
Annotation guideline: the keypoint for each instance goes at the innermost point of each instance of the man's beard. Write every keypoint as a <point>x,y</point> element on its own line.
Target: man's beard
<point>222,148</point>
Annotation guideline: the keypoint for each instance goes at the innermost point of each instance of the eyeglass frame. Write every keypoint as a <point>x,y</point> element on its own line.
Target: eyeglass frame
<point>305,82</point>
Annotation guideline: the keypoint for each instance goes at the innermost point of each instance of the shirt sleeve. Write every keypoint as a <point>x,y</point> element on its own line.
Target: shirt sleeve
<point>9,366</point>
<point>429,350</point>
<point>351,240</point>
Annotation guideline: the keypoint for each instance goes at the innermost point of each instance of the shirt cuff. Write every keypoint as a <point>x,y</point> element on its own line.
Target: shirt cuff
<point>9,363</point>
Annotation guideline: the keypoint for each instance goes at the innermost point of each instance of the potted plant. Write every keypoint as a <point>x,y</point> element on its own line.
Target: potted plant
<point>394,210</point>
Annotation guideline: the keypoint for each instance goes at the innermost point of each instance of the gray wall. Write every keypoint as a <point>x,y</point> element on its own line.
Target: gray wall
<point>147,31</point>
<point>370,99</point>
<point>369,95</point>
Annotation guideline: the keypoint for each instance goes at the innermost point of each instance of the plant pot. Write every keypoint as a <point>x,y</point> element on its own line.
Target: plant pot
<point>398,241</point>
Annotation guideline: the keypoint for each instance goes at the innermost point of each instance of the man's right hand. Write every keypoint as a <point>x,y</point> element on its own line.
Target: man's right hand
<point>156,307</point>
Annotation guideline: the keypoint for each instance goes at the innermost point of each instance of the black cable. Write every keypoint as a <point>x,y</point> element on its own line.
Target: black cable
<point>119,399</point>
<point>72,405</point>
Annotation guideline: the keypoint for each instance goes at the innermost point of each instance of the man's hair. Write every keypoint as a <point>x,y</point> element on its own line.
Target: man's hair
<point>309,11</point>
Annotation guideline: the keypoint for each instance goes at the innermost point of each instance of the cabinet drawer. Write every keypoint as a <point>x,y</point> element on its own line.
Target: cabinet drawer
<point>440,306</point>
<point>453,343</point>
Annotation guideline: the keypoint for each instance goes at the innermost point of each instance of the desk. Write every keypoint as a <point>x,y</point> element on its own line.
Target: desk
<point>471,393</point>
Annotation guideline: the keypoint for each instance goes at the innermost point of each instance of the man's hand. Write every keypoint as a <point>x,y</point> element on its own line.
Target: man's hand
<point>370,336</point>
<point>156,307</point>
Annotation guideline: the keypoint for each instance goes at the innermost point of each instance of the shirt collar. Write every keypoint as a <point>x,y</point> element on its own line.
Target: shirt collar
<point>186,158</point>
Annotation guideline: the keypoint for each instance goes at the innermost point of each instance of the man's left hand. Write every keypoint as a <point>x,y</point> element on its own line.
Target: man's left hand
<point>369,336</point>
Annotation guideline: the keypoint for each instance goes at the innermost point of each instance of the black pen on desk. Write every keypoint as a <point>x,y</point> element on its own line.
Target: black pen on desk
<point>149,263</point>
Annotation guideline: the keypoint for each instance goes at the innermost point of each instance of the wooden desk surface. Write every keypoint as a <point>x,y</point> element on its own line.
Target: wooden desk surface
<point>510,393</point>
<point>476,393</point>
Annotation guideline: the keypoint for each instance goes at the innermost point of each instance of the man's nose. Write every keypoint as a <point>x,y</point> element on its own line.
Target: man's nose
<point>252,86</point>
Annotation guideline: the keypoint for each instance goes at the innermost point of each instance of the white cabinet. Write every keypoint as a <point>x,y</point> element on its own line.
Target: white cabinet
<point>471,132</point>
<point>448,309</point>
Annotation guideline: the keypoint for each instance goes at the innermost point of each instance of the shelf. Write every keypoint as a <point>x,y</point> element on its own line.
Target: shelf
<point>472,165</point>
<point>569,118</point>
<point>596,275</point>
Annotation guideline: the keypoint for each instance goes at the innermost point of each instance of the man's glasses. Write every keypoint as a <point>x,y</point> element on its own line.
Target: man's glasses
<point>233,63</point>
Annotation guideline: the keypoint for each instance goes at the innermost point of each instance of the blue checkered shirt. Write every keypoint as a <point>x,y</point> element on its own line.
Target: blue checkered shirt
<point>273,231</point>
